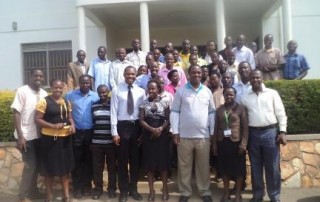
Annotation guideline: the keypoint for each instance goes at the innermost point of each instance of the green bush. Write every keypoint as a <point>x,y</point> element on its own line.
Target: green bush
<point>301,100</point>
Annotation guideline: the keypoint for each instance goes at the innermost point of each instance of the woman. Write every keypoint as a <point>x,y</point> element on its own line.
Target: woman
<point>154,119</point>
<point>230,142</point>
<point>174,78</point>
<point>53,115</point>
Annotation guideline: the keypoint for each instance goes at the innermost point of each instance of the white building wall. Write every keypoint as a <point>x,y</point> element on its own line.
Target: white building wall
<point>305,25</point>
<point>39,21</point>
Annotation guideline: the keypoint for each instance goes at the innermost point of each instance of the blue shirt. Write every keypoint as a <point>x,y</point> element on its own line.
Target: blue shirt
<point>142,80</point>
<point>100,71</point>
<point>81,108</point>
<point>296,64</point>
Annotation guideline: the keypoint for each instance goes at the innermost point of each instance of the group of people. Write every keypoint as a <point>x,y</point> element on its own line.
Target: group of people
<point>217,105</point>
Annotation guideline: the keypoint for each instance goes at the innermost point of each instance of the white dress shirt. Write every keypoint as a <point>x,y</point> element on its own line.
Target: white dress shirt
<point>137,58</point>
<point>119,104</point>
<point>100,70</point>
<point>116,71</point>
<point>265,109</point>
<point>244,54</point>
<point>242,89</point>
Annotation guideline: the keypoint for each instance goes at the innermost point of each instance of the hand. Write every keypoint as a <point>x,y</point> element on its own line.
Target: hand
<point>72,129</point>
<point>22,144</point>
<point>281,138</point>
<point>58,125</point>
<point>116,140</point>
<point>176,139</point>
<point>241,151</point>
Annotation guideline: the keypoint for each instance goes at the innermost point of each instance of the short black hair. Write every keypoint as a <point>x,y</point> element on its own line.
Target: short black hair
<point>170,74</point>
<point>226,88</point>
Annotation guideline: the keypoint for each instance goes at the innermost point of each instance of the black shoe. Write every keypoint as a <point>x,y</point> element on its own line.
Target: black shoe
<point>77,194</point>
<point>123,197</point>
<point>112,194</point>
<point>183,199</point>
<point>207,198</point>
<point>255,200</point>
<point>96,194</point>
<point>135,195</point>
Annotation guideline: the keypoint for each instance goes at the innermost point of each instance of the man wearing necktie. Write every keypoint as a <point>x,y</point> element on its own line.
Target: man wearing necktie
<point>125,101</point>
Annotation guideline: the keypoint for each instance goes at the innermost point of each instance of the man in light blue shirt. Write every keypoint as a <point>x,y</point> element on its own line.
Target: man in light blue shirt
<point>81,101</point>
<point>100,69</point>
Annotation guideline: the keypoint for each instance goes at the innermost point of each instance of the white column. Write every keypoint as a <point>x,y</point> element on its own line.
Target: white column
<point>144,27</point>
<point>81,28</point>
<point>286,20</point>
<point>220,23</point>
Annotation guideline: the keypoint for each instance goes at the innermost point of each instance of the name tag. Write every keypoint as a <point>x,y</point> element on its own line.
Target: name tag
<point>227,132</point>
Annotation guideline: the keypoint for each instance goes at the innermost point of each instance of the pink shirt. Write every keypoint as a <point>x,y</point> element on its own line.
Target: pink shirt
<point>163,72</point>
<point>171,89</point>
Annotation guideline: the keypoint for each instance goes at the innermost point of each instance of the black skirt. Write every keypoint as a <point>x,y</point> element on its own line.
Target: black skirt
<point>56,155</point>
<point>230,163</point>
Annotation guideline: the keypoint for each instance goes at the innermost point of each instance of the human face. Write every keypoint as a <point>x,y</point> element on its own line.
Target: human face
<point>253,47</point>
<point>161,84</point>
<point>227,80</point>
<point>154,70</point>
<point>57,89</point>
<point>194,50</point>
<point>256,80</point>
<point>135,44</point>
<point>244,70</point>
<point>169,60</point>
<point>37,79</point>
<point>214,81</point>
<point>175,78</point>
<point>154,44</point>
<point>268,39</point>
<point>193,59</point>
<point>222,66</point>
<point>102,53</point>
<point>211,46</point>
<point>292,46</point>
<point>121,54</point>
<point>85,83</point>
<point>103,94</point>
<point>214,57</point>
<point>142,70</point>
<point>229,96</point>
<point>81,55</point>
<point>205,73</point>
<point>153,90</point>
<point>240,41</point>
<point>129,75</point>
<point>186,45</point>
<point>195,75</point>
<point>149,60</point>
<point>176,55</point>
<point>231,58</point>
<point>156,54</point>
<point>168,47</point>
<point>228,41</point>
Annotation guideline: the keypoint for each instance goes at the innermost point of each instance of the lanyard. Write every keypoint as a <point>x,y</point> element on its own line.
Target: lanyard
<point>226,116</point>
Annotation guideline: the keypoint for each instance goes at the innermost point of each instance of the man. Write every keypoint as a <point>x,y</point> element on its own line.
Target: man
<point>228,43</point>
<point>156,55</point>
<point>194,50</point>
<point>76,69</point>
<point>192,123</point>
<point>243,86</point>
<point>270,60</point>
<point>82,100</point>
<point>165,69</point>
<point>136,57</point>
<point>142,80</point>
<point>185,53</point>
<point>117,67</point>
<point>125,101</point>
<point>265,112</point>
<point>296,64</point>
<point>253,47</point>
<point>242,53</point>
<point>103,149</point>
<point>26,132</point>
<point>100,68</point>
<point>168,48</point>
<point>153,45</point>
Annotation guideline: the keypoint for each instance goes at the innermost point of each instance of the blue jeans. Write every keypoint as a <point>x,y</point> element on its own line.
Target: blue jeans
<point>264,153</point>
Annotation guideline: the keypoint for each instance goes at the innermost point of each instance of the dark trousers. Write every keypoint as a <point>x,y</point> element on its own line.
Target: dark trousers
<point>102,154</point>
<point>30,158</point>
<point>264,153</point>
<point>128,152</point>
<point>82,173</point>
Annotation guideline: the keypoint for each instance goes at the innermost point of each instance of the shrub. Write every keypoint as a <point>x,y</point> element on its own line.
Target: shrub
<point>301,101</point>
<point>6,116</point>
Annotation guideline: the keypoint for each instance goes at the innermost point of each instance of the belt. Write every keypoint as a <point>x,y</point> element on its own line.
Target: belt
<point>128,122</point>
<point>83,130</point>
<point>264,127</point>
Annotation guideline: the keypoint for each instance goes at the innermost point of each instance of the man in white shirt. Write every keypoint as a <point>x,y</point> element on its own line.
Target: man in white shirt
<point>26,132</point>
<point>192,124</point>
<point>100,69</point>
<point>125,101</point>
<point>243,86</point>
<point>136,57</point>
<point>266,113</point>
<point>117,67</point>
<point>242,52</point>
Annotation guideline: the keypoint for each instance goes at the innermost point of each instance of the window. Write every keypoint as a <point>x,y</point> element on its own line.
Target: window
<point>51,58</point>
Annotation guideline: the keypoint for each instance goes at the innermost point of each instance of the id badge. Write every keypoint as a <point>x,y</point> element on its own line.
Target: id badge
<point>227,132</point>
